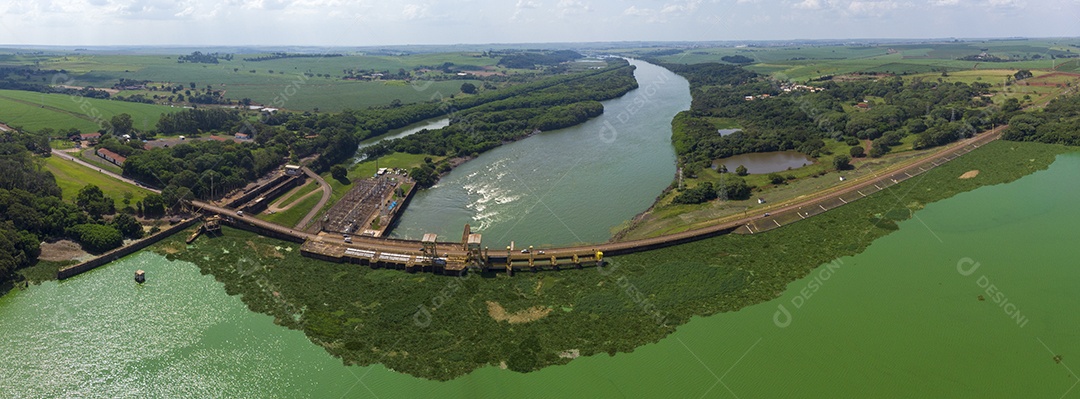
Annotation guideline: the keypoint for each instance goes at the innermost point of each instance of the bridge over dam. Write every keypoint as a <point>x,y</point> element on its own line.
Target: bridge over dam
<point>455,258</point>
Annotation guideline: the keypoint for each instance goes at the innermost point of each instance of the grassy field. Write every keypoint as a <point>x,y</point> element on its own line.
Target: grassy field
<point>297,193</point>
<point>335,94</point>
<point>34,111</point>
<point>72,177</point>
<point>293,215</point>
<point>268,82</point>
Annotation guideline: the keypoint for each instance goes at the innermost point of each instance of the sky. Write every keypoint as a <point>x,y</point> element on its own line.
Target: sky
<point>400,22</point>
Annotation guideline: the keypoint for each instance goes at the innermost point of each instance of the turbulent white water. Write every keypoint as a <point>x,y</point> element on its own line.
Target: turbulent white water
<point>564,186</point>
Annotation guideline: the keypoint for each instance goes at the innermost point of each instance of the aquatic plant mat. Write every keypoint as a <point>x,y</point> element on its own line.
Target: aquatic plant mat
<point>441,327</point>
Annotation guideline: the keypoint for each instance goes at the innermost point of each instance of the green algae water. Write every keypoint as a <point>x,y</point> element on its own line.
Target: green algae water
<point>100,335</point>
<point>975,296</point>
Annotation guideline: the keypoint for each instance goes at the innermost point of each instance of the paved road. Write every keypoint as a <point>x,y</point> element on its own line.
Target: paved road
<point>326,191</point>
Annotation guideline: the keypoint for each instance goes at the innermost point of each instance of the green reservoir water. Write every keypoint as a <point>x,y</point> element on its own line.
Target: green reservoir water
<point>902,319</point>
<point>565,186</point>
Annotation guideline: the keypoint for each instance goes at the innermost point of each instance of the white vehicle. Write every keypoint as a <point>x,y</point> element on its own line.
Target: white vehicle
<point>240,213</point>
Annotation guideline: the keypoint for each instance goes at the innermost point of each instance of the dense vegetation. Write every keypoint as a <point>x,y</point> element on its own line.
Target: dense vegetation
<point>203,169</point>
<point>1058,123</point>
<point>737,59</point>
<point>194,121</point>
<point>775,120</point>
<point>203,58</point>
<point>529,60</point>
<point>442,327</point>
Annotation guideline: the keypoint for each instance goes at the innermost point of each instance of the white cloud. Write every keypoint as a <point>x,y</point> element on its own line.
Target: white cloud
<point>414,11</point>
<point>679,8</point>
<point>573,7</point>
<point>1007,3</point>
<point>638,12</point>
<point>944,2</point>
<point>809,5</point>
<point>522,6</point>
<point>870,8</point>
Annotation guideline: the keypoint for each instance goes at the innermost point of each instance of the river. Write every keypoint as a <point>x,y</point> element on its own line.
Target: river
<point>889,322</point>
<point>565,186</point>
<point>430,124</point>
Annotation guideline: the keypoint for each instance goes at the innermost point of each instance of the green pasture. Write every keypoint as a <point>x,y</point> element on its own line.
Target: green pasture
<point>34,111</point>
<point>72,177</point>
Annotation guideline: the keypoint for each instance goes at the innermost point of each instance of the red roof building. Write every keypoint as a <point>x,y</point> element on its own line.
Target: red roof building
<point>110,156</point>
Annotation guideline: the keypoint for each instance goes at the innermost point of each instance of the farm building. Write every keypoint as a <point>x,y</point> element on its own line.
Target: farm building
<point>91,137</point>
<point>110,156</point>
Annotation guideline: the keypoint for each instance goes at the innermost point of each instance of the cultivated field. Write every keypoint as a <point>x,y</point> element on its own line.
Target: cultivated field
<point>801,63</point>
<point>303,84</point>
<point>34,111</point>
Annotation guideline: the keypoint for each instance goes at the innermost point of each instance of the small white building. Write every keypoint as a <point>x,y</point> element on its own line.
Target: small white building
<point>293,170</point>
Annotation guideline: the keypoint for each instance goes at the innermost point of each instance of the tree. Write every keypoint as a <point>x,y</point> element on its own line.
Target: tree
<point>97,238</point>
<point>704,192</point>
<point>857,152</point>
<point>733,189</point>
<point>153,205</point>
<point>879,150</point>
<point>128,226</point>
<point>121,124</point>
<point>424,175</point>
<point>741,171</point>
<point>775,178</point>
<point>338,172</point>
<point>468,88</point>
<point>842,162</point>
<point>92,200</point>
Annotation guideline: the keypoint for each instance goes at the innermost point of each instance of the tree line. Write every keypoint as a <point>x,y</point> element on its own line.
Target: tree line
<point>1057,123</point>
<point>278,56</point>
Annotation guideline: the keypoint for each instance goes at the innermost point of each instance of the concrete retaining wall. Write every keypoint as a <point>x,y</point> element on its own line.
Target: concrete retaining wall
<point>121,252</point>
<point>253,194</point>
